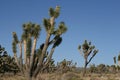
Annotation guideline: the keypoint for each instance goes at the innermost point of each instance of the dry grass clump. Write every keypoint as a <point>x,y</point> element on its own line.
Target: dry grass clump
<point>70,76</point>
<point>67,76</point>
<point>15,77</point>
<point>52,76</point>
<point>102,77</point>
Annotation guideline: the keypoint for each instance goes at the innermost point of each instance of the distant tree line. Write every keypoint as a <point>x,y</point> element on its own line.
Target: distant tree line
<point>8,64</point>
<point>102,68</point>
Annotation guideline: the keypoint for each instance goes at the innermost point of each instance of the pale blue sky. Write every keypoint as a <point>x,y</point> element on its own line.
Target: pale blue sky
<point>95,20</point>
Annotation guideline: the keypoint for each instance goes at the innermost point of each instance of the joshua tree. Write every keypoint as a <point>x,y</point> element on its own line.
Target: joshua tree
<point>86,49</point>
<point>34,59</point>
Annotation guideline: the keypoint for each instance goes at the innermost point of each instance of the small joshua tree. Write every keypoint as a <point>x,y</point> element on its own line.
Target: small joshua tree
<point>86,49</point>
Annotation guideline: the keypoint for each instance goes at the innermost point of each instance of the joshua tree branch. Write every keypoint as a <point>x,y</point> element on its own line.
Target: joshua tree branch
<point>90,59</point>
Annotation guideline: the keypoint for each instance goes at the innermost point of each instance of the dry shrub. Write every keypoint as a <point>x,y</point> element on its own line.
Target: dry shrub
<point>70,76</point>
<point>12,78</point>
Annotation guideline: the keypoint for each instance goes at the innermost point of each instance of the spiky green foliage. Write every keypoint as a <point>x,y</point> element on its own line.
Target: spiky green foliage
<point>51,12</point>
<point>27,27</point>
<point>49,23</point>
<point>14,43</point>
<point>30,30</point>
<point>36,30</point>
<point>48,27</point>
<point>62,28</point>
<point>46,23</point>
<point>57,11</point>
<point>15,37</point>
<point>24,36</point>
<point>54,12</point>
<point>14,47</point>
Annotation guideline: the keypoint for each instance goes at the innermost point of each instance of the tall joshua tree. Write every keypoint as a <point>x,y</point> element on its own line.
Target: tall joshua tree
<point>38,59</point>
<point>86,49</point>
<point>49,25</point>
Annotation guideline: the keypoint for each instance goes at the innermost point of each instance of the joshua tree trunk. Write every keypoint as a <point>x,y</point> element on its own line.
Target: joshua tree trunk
<point>15,56</point>
<point>42,56</point>
<point>85,66</point>
<point>44,49</point>
<point>32,57</point>
<point>52,21</point>
<point>16,60</point>
<point>25,51</point>
<point>50,55</point>
<point>20,47</point>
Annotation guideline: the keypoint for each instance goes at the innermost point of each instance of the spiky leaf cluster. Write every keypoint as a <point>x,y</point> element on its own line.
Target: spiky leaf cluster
<point>61,29</point>
<point>47,24</point>
<point>54,12</point>
<point>14,43</point>
<point>30,30</point>
<point>15,37</point>
<point>48,27</point>
<point>36,30</point>
<point>87,48</point>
